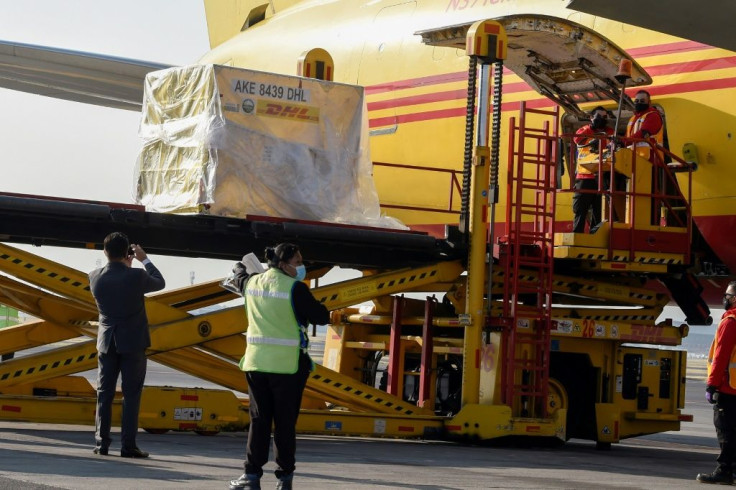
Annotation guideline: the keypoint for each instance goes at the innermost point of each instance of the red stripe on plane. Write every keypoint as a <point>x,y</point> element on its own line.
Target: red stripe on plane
<point>416,117</point>
<point>509,88</point>
<point>418,99</point>
<point>641,52</point>
<point>416,82</point>
<point>676,88</point>
<point>669,48</point>
<point>693,66</point>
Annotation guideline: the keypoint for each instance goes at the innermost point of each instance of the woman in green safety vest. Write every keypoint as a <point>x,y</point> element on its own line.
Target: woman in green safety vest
<point>279,307</point>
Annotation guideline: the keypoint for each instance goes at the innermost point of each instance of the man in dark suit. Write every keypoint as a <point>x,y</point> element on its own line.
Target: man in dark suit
<point>122,337</point>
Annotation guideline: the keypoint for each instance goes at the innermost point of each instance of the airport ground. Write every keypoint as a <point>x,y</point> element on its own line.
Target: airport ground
<point>34,456</point>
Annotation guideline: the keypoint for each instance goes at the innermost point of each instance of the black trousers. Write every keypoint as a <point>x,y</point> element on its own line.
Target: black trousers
<point>274,399</point>
<point>583,201</point>
<point>724,418</point>
<point>132,368</point>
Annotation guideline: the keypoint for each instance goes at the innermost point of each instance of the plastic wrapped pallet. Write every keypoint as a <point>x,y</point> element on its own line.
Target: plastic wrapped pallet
<point>235,142</point>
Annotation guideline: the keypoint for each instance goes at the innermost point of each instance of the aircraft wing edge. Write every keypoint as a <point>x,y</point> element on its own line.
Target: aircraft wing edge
<point>77,76</point>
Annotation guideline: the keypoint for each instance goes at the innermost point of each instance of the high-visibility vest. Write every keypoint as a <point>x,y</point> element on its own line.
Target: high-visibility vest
<point>273,335</point>
<point>587,155</point>
<point>731,362</point>
<point>643,149</point>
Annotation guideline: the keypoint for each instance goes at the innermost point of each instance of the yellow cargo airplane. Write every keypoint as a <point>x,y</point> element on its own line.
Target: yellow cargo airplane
<point>416,92</point>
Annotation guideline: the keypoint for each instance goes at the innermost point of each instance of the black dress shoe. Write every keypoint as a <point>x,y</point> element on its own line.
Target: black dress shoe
<point>718,476</point>
<point>133,453</point>
<point>102,451</point>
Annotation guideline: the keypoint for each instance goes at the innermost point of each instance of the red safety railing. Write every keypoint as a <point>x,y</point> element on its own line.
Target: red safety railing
<point>669,206</point>
<point>454,186</point>
<point>529,247</point>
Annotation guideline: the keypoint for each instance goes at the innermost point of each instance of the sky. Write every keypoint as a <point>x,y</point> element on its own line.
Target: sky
<point>57,148</point>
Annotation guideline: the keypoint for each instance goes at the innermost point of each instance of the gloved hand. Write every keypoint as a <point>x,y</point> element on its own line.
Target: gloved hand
<point>239,268</point>
<point>594,146</point>
<point>711,394</point>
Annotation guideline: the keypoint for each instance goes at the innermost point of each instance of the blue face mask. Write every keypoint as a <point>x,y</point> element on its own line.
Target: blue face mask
<point>301,272</point>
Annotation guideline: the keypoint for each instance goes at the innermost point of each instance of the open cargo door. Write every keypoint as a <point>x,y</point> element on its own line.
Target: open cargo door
<point>564,61</point>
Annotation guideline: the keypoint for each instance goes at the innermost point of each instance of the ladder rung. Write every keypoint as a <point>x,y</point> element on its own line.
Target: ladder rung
<point>519,390</point>
<point>527,366</point>
<point>539,342</point>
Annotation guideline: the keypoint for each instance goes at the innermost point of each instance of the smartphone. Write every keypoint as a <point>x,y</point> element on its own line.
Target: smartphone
<point>131,252</point>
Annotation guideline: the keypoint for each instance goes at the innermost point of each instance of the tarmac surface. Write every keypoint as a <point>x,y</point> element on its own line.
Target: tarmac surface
<point>35,456</point>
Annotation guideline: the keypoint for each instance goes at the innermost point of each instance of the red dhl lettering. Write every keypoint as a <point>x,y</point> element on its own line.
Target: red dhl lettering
<point>405,428</point>
<point>192,398</point>
<point>468,4</point>
<point>11,408</point>
<point>187,426</point>
<point>289,111</point>
<point>533,428</point>
<point>647,334</point>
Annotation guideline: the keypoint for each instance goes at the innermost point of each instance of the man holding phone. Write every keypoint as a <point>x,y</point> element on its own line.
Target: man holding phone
<point>122,338</point>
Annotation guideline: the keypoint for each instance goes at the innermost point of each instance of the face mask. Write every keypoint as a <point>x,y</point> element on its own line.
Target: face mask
<point>598,122</point>
<point>726,303</point>
<point>641,107</point>
<point>301,272</point>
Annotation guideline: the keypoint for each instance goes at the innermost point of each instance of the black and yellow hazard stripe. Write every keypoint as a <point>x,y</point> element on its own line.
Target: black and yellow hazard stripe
<point>356,394</point>
<point>355,291</point>
<point>59,362</point>
<point>45,273</point>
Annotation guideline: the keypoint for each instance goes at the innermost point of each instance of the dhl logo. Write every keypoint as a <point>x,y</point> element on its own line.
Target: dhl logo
<point>288,111</point>
<point>648,334</point>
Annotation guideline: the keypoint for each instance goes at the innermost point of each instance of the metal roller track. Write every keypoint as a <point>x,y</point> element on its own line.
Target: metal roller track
<point>41,220</point>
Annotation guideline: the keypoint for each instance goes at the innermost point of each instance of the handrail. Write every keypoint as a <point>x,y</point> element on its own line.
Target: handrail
<point>454,186</point>
<point>670,207</point>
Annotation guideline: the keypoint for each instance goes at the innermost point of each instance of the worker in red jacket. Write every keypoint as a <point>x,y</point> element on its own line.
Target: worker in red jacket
<point>588,140</point>
<point>721,390</point>
<point>646,123</point>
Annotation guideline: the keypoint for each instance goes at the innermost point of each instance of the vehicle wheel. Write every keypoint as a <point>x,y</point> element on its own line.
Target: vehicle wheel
<point>156,431</point>
<point>557,397</point>
<point>602,446</point>
<point>207,432</point>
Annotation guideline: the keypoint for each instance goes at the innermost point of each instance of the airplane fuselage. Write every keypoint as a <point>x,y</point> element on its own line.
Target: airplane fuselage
<point>416,95</point>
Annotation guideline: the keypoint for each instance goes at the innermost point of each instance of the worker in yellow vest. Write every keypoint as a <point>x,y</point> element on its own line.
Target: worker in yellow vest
<point>721,390</point>
<point>589,139</point>
<point>279,307</point>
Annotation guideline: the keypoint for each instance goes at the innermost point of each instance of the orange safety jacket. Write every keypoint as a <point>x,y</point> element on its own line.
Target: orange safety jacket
<point>724,378</point>
<point>650,121</point>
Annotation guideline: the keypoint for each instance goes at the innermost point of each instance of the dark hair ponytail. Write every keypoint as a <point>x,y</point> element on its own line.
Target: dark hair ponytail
<point>283,252</point>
